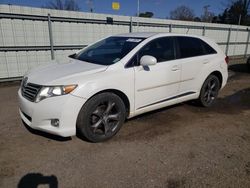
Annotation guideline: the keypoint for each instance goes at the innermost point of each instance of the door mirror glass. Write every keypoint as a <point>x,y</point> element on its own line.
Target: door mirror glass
<point>148,60</point>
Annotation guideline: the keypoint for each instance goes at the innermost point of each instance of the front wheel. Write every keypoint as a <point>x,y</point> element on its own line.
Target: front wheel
<point>209,91</point>
<point>101,117</point>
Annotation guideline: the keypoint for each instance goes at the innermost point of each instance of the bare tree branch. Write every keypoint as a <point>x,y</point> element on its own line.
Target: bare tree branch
<point>63,5</point>
<point>182,13</point>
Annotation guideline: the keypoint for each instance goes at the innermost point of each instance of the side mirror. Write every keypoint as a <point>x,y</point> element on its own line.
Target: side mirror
<point>148,60</point>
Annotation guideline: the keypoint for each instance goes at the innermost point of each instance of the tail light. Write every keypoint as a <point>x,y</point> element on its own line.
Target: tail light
<point>227,59</point>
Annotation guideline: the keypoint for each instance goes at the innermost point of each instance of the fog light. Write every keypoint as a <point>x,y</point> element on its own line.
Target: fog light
<point>55,122</point>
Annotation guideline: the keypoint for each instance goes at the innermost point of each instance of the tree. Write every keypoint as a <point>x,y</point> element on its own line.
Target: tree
<point>215,19</point>
<point>146,14</point>
<point>224,17</point>
<point>234,11</point>
<point>182,13</point>
<point>197,19</point>
<point>63,5</point>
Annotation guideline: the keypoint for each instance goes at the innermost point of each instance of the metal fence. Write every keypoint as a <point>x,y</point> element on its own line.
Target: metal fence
<point>34,36</point>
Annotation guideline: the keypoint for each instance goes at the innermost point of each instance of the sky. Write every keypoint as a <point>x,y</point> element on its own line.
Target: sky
<point>160,8</point>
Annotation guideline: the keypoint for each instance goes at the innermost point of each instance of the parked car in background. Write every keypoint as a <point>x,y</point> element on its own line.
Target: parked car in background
<point>120,77</point>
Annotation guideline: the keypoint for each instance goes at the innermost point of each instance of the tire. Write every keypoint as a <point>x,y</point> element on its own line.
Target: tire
<point>101,117</point>
<point>209,91</point>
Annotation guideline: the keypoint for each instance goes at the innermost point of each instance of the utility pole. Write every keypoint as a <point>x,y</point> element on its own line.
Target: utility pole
<point>138,8</point>
<point>138,11</point>
<point>90,4</point>
<point>236,37</point>
<point>239,20</point>
<point>206,15</point>
<point>206,9</point>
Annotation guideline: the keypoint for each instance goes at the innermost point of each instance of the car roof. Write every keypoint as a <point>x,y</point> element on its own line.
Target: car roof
<point>165,34</point>
<point>151,34</point>
<point>138,34</point>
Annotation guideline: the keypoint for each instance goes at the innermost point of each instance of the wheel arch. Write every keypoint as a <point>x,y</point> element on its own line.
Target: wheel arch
<point>218,74</point>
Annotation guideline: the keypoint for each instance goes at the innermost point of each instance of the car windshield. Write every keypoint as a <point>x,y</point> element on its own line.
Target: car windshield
<point>108,51</point>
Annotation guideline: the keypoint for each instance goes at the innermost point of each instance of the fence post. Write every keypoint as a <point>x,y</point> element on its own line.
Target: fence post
<point>203,31</point>
<point>170,28</point>
<point>131,25</point>
<point>228,40</point>
<point>246,49</point>
<point>51,38</point>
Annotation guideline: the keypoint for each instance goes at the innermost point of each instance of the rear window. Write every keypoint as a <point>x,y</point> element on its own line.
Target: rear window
<point>191,47</point>
<point>207,49</point>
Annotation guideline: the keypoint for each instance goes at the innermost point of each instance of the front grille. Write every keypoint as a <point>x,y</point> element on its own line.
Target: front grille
<point>30,91</point>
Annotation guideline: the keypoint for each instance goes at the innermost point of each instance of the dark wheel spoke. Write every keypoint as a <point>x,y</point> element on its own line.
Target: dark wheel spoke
<point>209,84</point>
<point>109,107</point>
<point>96,125</point>
<point>113,117</point>
<point>97,113</point>
<point>213,85</point>
<point>208,98</point>
<point>106,128</point>
<point>206,94</point>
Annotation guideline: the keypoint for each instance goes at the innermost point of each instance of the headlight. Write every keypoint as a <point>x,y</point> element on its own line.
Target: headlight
<point>52,91</point>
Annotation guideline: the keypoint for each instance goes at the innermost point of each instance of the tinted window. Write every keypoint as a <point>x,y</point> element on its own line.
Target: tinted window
<point>109,50</point>
<point>162,49</point>
<point>189,47</point>
<point>207,49</point>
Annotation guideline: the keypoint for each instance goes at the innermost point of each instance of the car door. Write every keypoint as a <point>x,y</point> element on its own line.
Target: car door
<point>157,83</point>
<point>193,60</point>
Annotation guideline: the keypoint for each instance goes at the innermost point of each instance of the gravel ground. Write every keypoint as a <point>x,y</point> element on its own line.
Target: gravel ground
<point>179,146</point>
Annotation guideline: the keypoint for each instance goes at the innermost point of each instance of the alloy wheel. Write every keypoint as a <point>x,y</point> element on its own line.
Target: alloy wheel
<point>211,91</point>
<point>105,118</point>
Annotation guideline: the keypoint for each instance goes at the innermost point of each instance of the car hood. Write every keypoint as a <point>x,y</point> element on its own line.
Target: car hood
<point>59,74</point>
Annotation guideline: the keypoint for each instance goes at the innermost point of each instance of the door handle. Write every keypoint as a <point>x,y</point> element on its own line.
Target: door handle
<point>175,68</point>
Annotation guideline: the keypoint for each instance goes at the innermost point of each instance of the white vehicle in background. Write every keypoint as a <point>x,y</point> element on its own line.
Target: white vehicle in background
<point>120,77</point>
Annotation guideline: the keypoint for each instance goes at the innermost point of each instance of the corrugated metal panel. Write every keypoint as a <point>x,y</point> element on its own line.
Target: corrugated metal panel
<point>71,29</point>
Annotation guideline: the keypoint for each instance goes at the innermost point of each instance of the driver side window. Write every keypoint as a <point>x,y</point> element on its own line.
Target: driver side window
<point>162,49</point>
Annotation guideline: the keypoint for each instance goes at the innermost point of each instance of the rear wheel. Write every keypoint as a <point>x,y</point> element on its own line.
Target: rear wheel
<point>101,117</point>
<point>209,91</point>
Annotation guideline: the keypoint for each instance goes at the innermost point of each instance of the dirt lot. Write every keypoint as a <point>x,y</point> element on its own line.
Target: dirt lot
<point>179,146</point>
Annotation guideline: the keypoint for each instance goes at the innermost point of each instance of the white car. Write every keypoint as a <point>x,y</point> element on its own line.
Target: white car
<point>120,77</point>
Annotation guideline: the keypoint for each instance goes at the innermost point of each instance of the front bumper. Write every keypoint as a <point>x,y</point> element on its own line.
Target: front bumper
<point>39,115</point>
